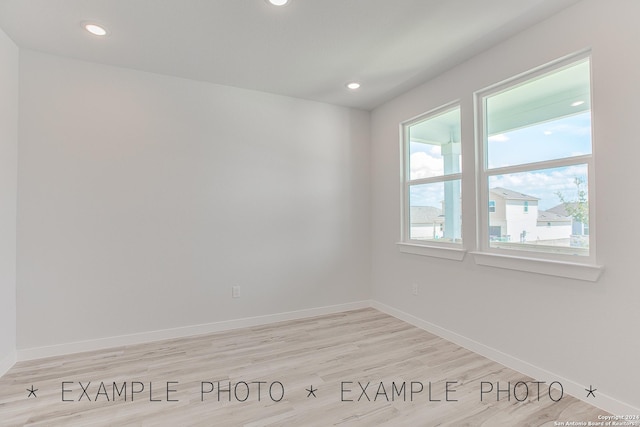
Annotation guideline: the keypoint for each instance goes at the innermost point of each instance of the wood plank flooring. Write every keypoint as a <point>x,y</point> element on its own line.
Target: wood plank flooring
<point>203,380</point>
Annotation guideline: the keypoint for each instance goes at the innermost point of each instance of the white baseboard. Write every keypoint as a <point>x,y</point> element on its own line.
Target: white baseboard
<point>144,337</point>
<point>7,362</point>
<point>572,388</point>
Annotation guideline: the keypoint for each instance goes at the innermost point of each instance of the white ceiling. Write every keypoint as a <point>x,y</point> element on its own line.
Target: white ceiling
<point>308,49</point>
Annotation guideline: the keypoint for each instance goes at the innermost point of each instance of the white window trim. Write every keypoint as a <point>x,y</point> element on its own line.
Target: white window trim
<point>446,250</point>
<point>455,254</point>
<point>581,268</point>
<point>585,272</point>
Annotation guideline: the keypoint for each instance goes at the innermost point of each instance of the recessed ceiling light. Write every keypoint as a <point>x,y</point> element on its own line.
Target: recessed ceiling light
<point>278,2</point>
<point>353,85</point>
<point>575,104</point>
<point>94,29</point>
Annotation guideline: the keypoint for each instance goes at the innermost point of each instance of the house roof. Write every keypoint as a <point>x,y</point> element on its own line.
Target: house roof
<point>548,216</point>
<point>425,214</point>
<point>511,195</point>
<point>561,209</point>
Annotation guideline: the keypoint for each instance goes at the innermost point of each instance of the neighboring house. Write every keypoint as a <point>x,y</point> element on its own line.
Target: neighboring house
<point>577,228</point>
<point>427,222</point>
<point>512,216</point>
<point>515,217</point>
<point>553,227</point>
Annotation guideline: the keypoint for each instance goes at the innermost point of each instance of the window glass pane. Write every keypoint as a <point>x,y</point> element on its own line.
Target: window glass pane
<point>558,139</point>
<point>542,210</point>
<point>546,118</point>
<point>434,146</point>
<point>435,212</point>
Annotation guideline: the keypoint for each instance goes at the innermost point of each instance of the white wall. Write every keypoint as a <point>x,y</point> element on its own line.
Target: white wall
<point>143,198</point>
<point>584,332</point>
<point>8,185</point>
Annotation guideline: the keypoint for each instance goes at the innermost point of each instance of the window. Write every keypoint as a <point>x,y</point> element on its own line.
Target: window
<point>533,180</point>
<point>432,179</point>
<point>537,165</point>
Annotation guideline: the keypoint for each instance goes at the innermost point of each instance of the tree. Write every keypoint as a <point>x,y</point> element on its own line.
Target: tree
<point>578,208</point>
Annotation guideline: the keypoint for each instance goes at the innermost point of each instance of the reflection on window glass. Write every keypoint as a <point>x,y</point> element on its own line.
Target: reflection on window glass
<point>545,118</point>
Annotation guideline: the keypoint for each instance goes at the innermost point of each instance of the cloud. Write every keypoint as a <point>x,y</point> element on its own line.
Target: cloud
<point>427,195</point>
<point>424,166</point>
<point>499,138</point>
<point>543,184</point>
<point>572,128</point>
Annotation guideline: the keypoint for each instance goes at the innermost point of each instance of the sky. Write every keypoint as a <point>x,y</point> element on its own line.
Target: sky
<point>566,137</point>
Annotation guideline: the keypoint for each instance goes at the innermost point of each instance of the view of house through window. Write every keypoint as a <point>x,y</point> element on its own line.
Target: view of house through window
<point>536,163</point>
<point>433,177</point>
<point>537,160</point>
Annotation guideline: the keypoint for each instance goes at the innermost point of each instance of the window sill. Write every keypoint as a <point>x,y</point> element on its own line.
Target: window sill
<point>432,251</point>
<point>590,273</point>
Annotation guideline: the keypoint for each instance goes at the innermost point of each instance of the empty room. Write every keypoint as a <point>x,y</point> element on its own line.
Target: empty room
<point>319,212</point>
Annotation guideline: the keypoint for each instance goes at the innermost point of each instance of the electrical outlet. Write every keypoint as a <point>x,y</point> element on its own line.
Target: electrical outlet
<point>235,291</point>
<point>414,289</point>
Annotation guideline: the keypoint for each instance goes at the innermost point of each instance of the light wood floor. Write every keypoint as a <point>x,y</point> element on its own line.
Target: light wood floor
<point>362,346</point>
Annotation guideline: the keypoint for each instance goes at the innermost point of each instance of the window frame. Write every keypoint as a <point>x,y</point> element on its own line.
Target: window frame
<point>484,173</point>
<point>440,249</point>
<point>474,179</point>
